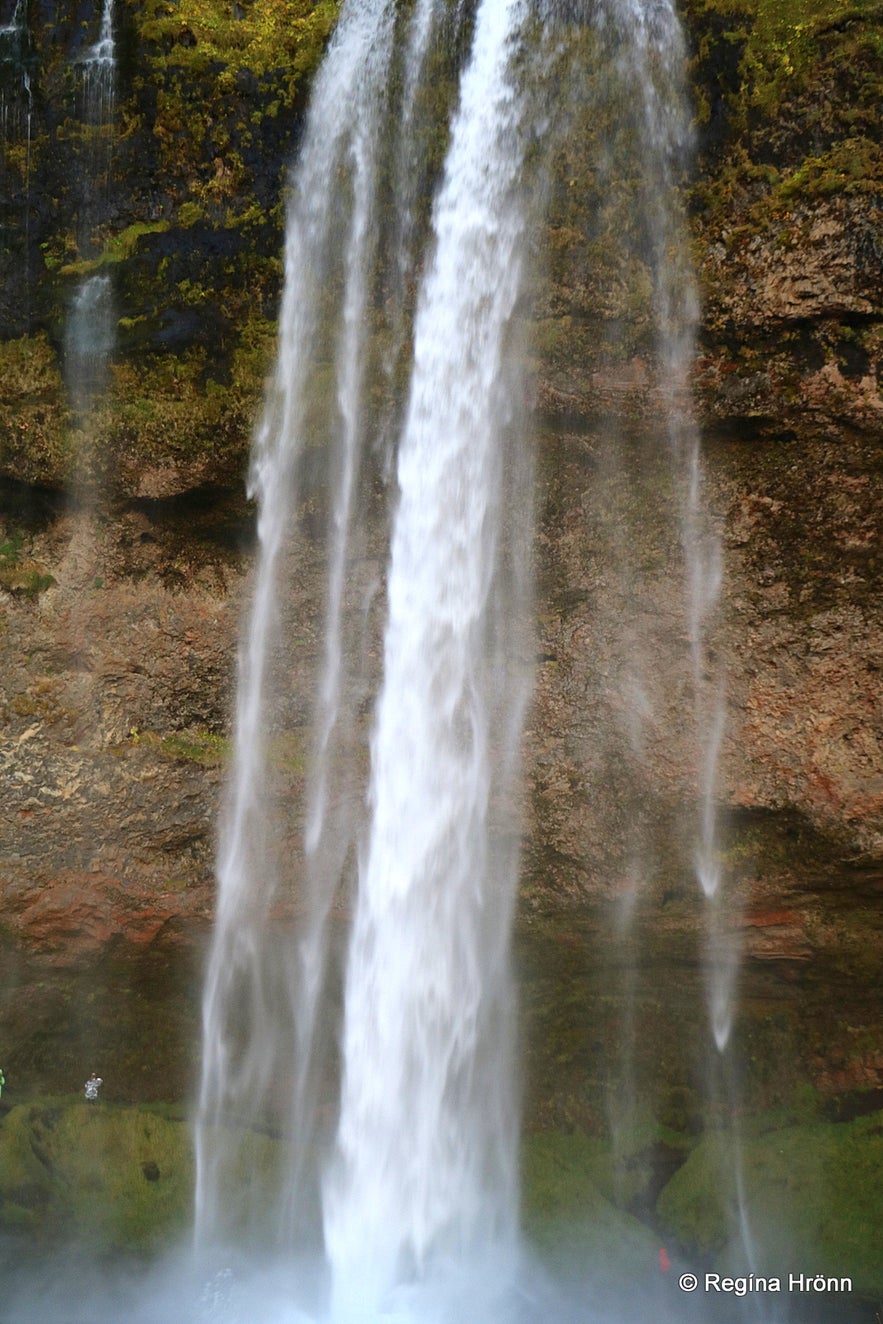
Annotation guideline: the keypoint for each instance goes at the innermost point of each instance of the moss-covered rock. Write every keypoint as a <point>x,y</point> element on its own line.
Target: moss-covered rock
<point>786,210</point>
<point>34,419</point>
<point>179,202</point>
<point>112,1177</point>
<point>569,1220</point>
<point>810,1193</point>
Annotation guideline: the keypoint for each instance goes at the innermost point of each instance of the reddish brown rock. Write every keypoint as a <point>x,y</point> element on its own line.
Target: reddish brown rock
<point>77,915</point>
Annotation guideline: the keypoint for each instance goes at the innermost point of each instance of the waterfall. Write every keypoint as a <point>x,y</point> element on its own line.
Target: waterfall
<point>666,135</point>
<point>428,999</point>
<point>96,77</point>
<point>655,59</point>
<point>644,45</point>
<point>98,65</point>
<point>15,91</point>
<point>399,1162</point>
<point>427,1034</point>
<point>89,339</point>
<point>260,1013</point>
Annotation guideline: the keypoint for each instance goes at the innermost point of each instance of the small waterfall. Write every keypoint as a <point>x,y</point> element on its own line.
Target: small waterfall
<point>667,132</point>
<point>98,65</point>
<point>89,332</point>
<point>659,565</point>
<point>15,92</point>
<point>16,120</point>
<point>645,45</point>
<point>97,94</point>
<point>88,340</point>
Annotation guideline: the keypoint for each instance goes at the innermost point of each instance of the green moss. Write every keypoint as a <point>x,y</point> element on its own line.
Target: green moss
<point>10,550</point>
<point>568,1219</point>
<point>117,249</point>
<point>205,64</point>
<point>781,76</point>
<point>115,1177</point>
<point>854,165</point>
<point>195,745</point>
<point>33,412</point>
<point>190,746</point>
<point>813,1195</point>
<point>777,44</point>
<point>787,39</point>
<point>278,34</point>
<point>190,212</point>
<point>28,581</point>
<point>18,574</point>
<point>161,410</point>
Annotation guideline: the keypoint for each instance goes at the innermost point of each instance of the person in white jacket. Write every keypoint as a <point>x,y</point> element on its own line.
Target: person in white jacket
<point>92,1086</point>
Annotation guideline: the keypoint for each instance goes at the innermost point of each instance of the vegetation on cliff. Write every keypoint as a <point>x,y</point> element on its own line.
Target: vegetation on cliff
<point>787,210</point>
<point>188,223</point>
<point>186,220</point>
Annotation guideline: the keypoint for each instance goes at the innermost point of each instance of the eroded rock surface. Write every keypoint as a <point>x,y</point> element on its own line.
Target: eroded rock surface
<point>123,572</point>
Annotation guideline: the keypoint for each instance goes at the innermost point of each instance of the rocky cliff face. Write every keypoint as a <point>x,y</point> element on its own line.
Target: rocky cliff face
<point>123,577</point>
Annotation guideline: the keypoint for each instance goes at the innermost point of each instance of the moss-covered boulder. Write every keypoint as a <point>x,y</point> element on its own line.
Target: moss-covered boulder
<point>110,1177</point>
<point>811,1196</point>
<point>568,1219</point>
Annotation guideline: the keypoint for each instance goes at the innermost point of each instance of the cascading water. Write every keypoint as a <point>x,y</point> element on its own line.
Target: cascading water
<point>666,134</point>
<point>89,337</point>
<point>259,1015</point>
<point>98,65</point>
<point>15,91</point>
<point>446,688</point>
<point>89,334</point>
<point>415,1198</point>
<point>371,1149</point>
<point>427,1029</point>
<point>644,45</point>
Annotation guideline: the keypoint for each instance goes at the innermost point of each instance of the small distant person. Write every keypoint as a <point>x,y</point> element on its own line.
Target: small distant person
<point>2,1081</point>
<point>91,1088</point>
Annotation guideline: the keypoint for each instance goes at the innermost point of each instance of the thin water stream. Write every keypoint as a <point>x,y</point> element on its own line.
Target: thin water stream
<point>16,121</point>
<point>89,332</point>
